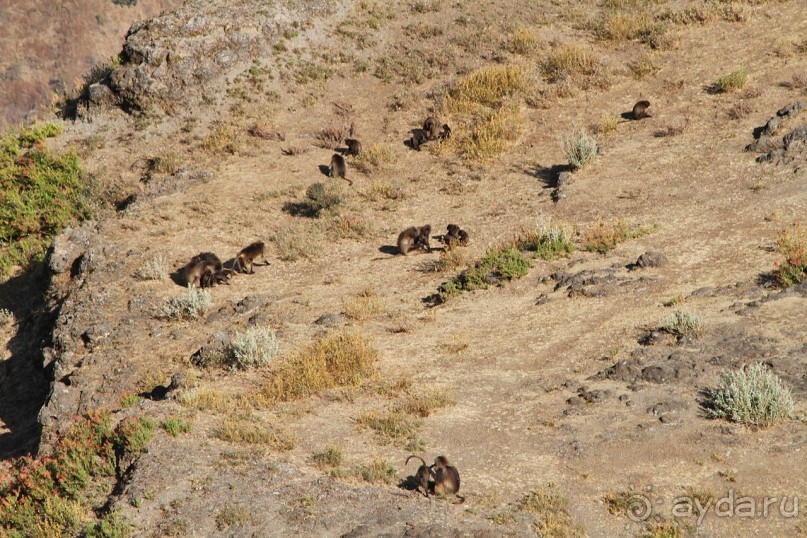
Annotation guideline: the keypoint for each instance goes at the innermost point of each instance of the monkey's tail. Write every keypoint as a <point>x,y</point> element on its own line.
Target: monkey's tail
<point>348,181</point>
<point>413,456</point>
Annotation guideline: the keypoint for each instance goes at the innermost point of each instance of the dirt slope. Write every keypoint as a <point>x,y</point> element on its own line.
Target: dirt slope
<point>549,379</point>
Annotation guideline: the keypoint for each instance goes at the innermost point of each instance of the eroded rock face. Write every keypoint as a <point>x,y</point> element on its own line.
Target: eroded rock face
<point>183,56</point>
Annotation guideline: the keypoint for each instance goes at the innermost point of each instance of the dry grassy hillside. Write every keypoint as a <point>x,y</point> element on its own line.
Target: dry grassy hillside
<point>49,46</point>
<point>574,383</point>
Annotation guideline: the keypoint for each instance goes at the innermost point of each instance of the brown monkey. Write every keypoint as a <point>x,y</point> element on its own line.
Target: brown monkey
<point>193,271</point>
<point>422,475</point>
<point>455,236</point>
<point>338,167</point>
<point>248,255</point>
<point>431,127</point>
<point>414,238</point>
<point>446,477</point>
<point>445,134</point>
<point>463,237</point>
<point>418,139</point>
<point>353,146</point>
<point>453,229</point>
<point>640,110</point>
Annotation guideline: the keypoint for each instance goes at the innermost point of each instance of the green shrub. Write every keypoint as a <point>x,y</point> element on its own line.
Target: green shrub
<point>753,395</point>
<point>189,306</point>
<point>175,426</point>
<point>40,194</point>
<point>133,434</point>
<point>579,148</point>
<point>112,525</point>
<point>496,266</point>
<point>256,347</point>
<point>378,471</point>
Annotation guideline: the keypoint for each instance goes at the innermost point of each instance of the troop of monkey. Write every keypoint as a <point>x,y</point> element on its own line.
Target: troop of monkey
<point>417,238</point>
<point>205,270</point>
<point>446,477</point>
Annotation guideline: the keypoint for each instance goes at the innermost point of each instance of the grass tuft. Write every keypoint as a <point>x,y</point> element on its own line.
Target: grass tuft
<point>156,268</point>
<point>753,395</point>
<point>175,426</point>
<point>363,306</point>
<point>552,509</point>
<point>548,241</point>
<point>330,456</point>
<point>732,82</point>
<point>603,237</point>
<point>374,158</point>
<point>379,471</point>
<point>254,348</point>
<point>338,359</point>
<point>248,432</point>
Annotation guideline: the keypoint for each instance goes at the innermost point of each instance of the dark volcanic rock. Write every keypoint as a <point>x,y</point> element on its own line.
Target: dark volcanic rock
<point>652,259</point>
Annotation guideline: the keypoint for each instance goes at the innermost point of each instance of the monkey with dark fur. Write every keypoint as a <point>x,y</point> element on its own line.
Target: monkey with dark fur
<point>246,258</point>
<point>422,475</point>
<point>338,168</point>
<point>414,238</point>
<point>640,110</point>
<point>432,128</point>
<point>455,236</point>
<point>201,270</point>
<point>446,477</point>
<point>353,147</point>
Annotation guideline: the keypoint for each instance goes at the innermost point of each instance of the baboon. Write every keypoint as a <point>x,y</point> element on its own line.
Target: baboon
<point>210,277</point>
<point>353,146</point>
<point>422,475</point>
<point>446,476</point>
<point>246,258</point>
<point>455,236</point>
<point>431,127</point>
<point>445,134</point>
<point>418,139</point>
<point>338,167</point>
<point>414,238</point>
<point>199,264</point>
<point>640,110</point>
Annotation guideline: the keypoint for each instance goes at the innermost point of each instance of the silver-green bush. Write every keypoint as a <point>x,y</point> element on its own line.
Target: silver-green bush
<point>154,269</point>
<point>579,148</point>
<point>682,322</point>
<point>753,395</point>
<point>256,347</point>
<point>189,306</point>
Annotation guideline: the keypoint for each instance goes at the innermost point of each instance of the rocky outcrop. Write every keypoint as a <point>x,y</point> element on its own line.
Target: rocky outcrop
<point>185,56</point>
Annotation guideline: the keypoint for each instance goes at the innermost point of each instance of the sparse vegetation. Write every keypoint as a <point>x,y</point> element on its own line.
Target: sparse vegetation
<point>248,431</point>
<point>338,359</point>
<point>548,241</point>
<point>42,193</point>
<point>251,349</point>
<point>321,199</point>
<point>493,119</point>
<point>175,426</point>
<point>375,157</point>
<point>380,189</point>
<point>134,434</point>
<point>603,237</point>
<point>232,515</point>
<point>732,82</point>
<point>579,148</point>
<point>294,243</point>
<point>222,139</point>
<point>753,395</point>
<point>573,63</point>
<point>393,427</point>
<point>192,305</point>
<point>523,40</point>
<point>607,125</point>
<point>330,456</point>
<point>363,306</point>
<point>643,67</point>
<point>112,525</point>
<point>379,470</point>
<point>156,268</point>
<point>681,323</point>
<point>792,245</point>
<point>498,265</point>
<point>552,509</point>
<point>423,403</point>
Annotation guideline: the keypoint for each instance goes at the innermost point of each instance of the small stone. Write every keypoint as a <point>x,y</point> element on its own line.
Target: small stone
<point>652,259</point>
<point>330,320</point>
<point>653,374</point>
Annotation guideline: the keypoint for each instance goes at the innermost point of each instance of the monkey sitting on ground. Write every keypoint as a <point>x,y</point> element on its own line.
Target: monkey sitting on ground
<point>431,127</point>
<point>422,475</point>
<point>418,139</point>
<point>338,168</point>
<point>353,146</point>
<point>640,110</point>
<point>414,238</point>
<point>210,277</point>
<point>445,134</point>
<point>204,262</point>
<point>455,236</point>
<point>246,258</point>
<point>446,477</point>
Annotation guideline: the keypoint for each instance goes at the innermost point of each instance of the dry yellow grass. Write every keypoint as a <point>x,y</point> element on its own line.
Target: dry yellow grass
<point>375,157</point>
<point>338,359</point>
<point>424,402</point>
<point>523,40</point>
<point>249,432</point>
<point>486,87</point>
<point>363,306</point>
